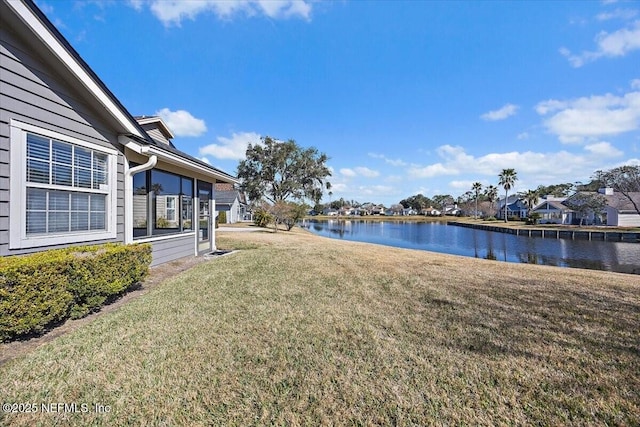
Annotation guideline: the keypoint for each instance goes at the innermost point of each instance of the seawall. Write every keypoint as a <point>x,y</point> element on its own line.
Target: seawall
<point>566,233</point>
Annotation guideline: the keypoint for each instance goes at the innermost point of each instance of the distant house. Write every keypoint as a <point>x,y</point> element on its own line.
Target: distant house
<point>76,167</point>
<point>346,210</point>
<point>620,210</point>
<point>516,206</point>
<point>231,201</point>
<point>378,210</point>
<point>452,210</point>
<point>552,211</point>
<point>430,211</point>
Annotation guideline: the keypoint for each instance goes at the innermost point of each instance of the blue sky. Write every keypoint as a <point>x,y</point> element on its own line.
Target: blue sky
<point>405,97</point>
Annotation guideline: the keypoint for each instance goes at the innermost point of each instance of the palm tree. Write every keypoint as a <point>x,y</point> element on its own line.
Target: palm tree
<point>491,192</point>
<point>476,187</point>
<point>531,196</point>
<point>507,178</point>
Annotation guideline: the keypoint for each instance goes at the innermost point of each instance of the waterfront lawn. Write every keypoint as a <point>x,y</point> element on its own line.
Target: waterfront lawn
<point>299,329</point>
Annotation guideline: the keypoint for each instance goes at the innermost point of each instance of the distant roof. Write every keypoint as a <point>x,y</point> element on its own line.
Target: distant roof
<point>621,203</point>
<point>556,204</point>
<point>226,197</point>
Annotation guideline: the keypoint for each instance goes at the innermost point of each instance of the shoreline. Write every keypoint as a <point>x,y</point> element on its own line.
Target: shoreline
<point>557,232</point>
<point>518,225</point>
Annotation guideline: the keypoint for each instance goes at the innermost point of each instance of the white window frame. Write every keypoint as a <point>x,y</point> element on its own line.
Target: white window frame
<point>173,209</point>
<point>18,238</point>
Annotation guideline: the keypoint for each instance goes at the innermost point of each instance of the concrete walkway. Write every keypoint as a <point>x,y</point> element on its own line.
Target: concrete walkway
<point>240,229</point>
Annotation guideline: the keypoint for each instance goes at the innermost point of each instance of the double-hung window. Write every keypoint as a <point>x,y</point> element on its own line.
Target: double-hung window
<point>63,190</point>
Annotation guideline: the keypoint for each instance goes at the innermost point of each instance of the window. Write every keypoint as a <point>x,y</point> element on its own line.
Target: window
<point>171,209</point>
<point>63,191</point>
<point>162,203</point>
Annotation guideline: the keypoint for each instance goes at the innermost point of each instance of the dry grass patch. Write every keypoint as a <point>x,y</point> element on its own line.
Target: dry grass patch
<point>298,329</point>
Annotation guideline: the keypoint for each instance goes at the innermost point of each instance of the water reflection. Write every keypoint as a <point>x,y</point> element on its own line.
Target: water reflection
<point>437,237</point>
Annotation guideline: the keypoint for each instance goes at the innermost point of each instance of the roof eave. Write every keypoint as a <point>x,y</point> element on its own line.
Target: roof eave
<point>139,146</point>
<point>55,42</point>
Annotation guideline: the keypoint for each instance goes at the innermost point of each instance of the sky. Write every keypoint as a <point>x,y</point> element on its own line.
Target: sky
<point>405,97</point>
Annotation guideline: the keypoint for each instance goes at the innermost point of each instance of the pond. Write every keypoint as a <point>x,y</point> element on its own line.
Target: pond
<point>623,257</point>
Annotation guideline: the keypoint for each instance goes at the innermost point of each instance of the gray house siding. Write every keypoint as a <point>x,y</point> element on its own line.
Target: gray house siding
<point>156,134</point>
<point>172,249</point>
<point>232,211</point>
<point>31,92</point>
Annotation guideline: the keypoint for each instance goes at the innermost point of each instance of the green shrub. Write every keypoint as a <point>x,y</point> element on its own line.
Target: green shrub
<point>533,218</point>
<point>100,273</point>
<point>222,217</point>
<point>34,292</point>
<point>41,289</point>
<point>262,217</point>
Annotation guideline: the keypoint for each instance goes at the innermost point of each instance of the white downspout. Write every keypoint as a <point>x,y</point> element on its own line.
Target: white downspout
<point>128,196</point>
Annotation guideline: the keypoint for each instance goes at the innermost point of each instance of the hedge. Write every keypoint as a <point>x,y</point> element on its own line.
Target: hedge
<point>41,289</point>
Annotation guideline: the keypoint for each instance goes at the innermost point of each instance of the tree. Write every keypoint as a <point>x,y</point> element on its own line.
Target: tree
<point>585,202</point>
<point>531,197</point>
<point>442,200</point>
<point>491,193</point>
<point>507,178</point>
<point>625,180</point>
<point>287,213</point>
<point>556,190</point>
<point>417,202</point>
<point>476,187</point>
<point>281,170</point>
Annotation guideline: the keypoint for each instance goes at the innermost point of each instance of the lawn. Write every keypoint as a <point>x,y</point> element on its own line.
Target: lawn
<point>298,329</point>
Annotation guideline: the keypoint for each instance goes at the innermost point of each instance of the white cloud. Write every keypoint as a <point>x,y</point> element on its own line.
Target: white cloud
<point>616,44</point>
<point>377,190</point>
<point>501,113</point>
<point>204,159</point>
<point>182,123</point>
<point>635,84</point>
<point>366,172</point>
<point>136,4</point>
<point>359,171</point>
<point>431,171</point>
<point>285,8</point>
<point>461,185</point>
<point>350,173</point>
<point>339,187</point>
<point>624,14</point>
<point>233,148</point>
<point>173,12</point>
<point>603,149</point>
<point>591,117</point>
<point>392,162</point>
<point>523,135</point>
<point>545,107</point>
<point>545,167</point>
